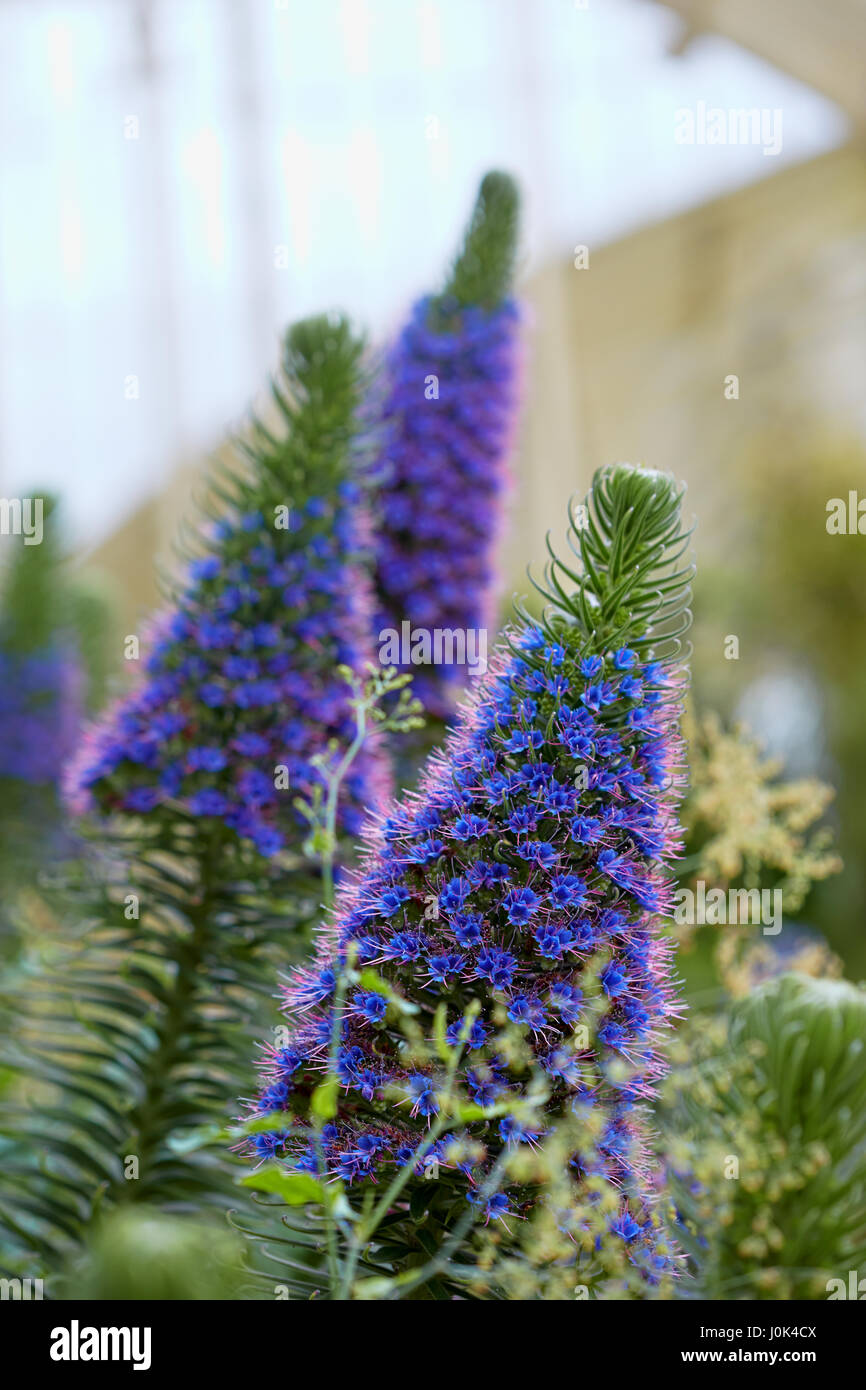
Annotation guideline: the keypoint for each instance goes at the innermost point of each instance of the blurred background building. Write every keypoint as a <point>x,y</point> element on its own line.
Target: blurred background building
<point>183,177</point>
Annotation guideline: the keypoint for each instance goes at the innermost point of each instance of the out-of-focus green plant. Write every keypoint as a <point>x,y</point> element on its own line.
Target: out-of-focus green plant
<point>744,962</point>
<point>155,1054</point>
<point>764,1118</point>
<point>43,692</point>
<point>745,822</point>
<point>748,826</point>
<point>796,599</point>
<point>140,1254</point>
<point>93,619</point>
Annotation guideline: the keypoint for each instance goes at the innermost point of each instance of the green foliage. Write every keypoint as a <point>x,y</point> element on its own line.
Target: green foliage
<point>135,1032</point>
<point>765,1123</point>
<point>44,602</point>
<point>749,825</point>
<point>92,619</point>
<point>141,1255</point>
<point>794,595</point>
<point>37,630</point>
<point>33,605</point>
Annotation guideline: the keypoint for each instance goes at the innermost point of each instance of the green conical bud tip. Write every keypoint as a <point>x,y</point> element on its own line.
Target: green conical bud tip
<point>484,268</point>
<point>629,486</point>
<point>639,505</point>
<point>315,345</point>
<point>498,200</point>
<point>633,582</point>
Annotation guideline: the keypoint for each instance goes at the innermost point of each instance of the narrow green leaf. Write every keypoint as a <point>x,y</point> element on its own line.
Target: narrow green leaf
<point>296,1189</point>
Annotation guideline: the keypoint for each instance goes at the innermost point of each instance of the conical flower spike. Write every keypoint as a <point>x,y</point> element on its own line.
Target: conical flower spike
<point>523,887</point>
<point>241,689</point>
<point>451,395</point>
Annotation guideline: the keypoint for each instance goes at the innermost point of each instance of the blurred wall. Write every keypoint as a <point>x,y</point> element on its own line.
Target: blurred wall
<point>628,358</point>
<point>183,177</point>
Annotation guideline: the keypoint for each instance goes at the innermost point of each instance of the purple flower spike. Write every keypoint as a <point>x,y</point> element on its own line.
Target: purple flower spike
<point>240,690</point>
<point>451,397</point>
<point>552,911</point>
<point>41,706</point>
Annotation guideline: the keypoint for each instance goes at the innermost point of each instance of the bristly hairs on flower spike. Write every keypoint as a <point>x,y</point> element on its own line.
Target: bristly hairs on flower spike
<point>521,890</point>
<point>451,391</point>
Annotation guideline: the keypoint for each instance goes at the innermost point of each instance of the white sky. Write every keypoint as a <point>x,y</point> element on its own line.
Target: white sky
<point>352,133</point>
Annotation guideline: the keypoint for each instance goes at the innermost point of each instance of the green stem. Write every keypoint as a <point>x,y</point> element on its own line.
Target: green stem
<point>335,781</point>
<point>318,1125</point>
<point>367,1229</point>
<point>363,702</point>
<point>438,1262</point>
